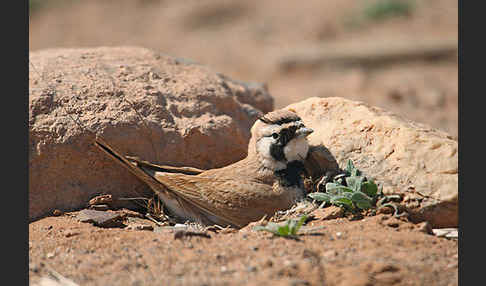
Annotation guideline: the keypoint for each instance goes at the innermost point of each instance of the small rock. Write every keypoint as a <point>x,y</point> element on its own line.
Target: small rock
<point>393,224</point>
<point>100,207</point>
<point>378,267</point>
<point>225,270</point>
<point>452,265</point>
<point>140,227</point>
<point>290,264</point>
<point>446,232</point>
<point>70,233</point>
<point>100,218</point>
<point>331,212</point>
<point>130,213</point>
<point>57,212</point>
<point>50,254</point>
<point>101,200</point>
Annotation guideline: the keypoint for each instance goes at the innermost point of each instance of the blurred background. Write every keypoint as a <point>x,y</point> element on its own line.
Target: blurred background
<point>397,54</point>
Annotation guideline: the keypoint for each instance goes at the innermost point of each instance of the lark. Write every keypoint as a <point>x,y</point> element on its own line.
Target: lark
<point>267,180</point>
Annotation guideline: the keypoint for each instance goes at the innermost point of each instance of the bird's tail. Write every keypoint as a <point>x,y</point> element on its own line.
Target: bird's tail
<point>136,170</point>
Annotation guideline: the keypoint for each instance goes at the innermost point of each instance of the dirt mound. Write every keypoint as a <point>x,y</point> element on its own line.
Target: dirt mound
<point>162,109</point>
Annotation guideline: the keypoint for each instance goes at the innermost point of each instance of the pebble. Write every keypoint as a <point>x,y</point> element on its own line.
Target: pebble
<point>100,207</point>
<point>57,212</point>
<point>70,233</point>
<point>140,227</point>
<point>446,232</point>
<point>100,218</point>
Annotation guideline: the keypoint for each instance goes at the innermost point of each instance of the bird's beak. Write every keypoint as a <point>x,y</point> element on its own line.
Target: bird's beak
<point>303,132</point>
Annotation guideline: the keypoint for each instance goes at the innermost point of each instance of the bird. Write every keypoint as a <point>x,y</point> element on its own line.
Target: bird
<point>268,179</point>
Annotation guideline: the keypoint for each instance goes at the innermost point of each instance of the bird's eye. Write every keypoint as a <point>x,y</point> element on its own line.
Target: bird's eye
<point>275,135</point>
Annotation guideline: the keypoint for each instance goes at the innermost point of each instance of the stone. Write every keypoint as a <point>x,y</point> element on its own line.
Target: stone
<point>162,109</point>
<point>100,218</point>
<point>330,212</point>
<point>101,200</point>
<point>100,207</point>
<point>57,212</point>
<point>446,232</point>
<point>140,227</point>
<point>407,157</point>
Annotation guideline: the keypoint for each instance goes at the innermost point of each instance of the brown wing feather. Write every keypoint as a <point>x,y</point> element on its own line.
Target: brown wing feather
<point>236,201</point>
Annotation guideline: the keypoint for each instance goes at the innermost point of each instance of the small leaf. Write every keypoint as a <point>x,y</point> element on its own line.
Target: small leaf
<point>322,197</point>
<point>259,228</point>
<point>370,188</point>
<point>292,223</point>
<point>271,227</point>
<point>351,169</point>
<point>284,230</point>
<point>300,222</point>
<point>342,200</point>
<point>361,200</point>
<point>354,183</point>
<point>364,205</point>
<point>349,166</point>
<point>335,189</point>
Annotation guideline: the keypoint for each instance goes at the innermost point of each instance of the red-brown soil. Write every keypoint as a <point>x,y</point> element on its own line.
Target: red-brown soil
<point>376,250</point>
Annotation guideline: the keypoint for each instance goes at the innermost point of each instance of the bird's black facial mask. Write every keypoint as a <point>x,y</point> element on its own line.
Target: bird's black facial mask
<point>281,139</point>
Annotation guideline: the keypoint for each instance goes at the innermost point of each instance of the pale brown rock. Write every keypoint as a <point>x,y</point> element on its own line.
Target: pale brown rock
<point>407,157</point>
<point>330,212</point>
<point>192,116</point>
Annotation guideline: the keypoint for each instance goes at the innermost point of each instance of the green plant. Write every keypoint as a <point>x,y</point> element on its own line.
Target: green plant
<point>350,190</point>
<point>381,9</point>
<point>288,228</point>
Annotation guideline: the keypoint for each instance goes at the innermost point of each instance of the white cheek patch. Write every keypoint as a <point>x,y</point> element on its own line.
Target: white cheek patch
<point>263,148</point>
<point>296,149</point>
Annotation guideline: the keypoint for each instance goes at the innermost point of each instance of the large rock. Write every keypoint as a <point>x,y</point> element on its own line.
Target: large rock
<point>408,158</point>
<point>162,109</point>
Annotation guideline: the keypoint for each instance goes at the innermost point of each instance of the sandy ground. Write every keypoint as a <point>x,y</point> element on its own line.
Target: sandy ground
<point>376,250</point>
<point>249,41</point>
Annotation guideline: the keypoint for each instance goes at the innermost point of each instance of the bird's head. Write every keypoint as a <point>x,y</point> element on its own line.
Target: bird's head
<point>279,137</point>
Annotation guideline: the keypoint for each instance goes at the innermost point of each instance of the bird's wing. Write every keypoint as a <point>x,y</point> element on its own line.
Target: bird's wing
<point>235,200</point>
